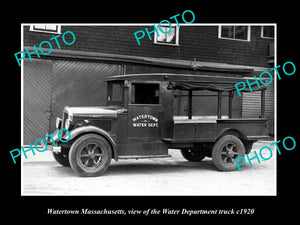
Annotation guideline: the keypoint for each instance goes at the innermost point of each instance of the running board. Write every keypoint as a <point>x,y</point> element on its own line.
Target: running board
<point>142,156</point>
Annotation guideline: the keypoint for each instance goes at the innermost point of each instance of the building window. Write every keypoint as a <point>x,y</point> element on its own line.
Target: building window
<point>46,28</point>
<point>267,32</point>
<point>241,33</point>
<point>170,38</point>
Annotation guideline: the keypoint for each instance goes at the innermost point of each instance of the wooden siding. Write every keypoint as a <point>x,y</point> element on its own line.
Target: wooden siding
<point>50,85</point>
<point>251,107</point>
<point>79,84</point>
<point>37,97</point>
<point>200,42</point>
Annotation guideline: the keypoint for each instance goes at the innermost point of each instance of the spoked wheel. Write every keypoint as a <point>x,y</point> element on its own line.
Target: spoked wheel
<point>226,150</point>
<point>229,152</point>
<point>90,155</point>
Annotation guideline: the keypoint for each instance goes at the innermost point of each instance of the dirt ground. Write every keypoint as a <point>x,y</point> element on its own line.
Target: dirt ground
<point>42,175</point>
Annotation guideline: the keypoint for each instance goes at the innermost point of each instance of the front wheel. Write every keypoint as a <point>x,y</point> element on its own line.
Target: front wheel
<point>61,158</point>
<point>225,151</point>
<point>90,155</point>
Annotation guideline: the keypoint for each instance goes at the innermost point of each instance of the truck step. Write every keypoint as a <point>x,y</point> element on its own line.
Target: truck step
<point>142,156</point>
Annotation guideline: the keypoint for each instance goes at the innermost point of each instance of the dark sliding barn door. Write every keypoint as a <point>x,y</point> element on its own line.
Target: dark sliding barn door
<point>36,99</point>
<point>50,85</point>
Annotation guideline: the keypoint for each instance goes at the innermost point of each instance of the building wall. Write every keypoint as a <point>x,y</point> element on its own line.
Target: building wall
<point>71,81</point>
<point>251,107</point>
<point>50,85</point>
<point>200,42</point>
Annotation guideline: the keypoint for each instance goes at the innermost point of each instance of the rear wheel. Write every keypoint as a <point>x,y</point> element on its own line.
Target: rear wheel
<point>193,155</point>
<point>90,155</point>
<point>226,150</point>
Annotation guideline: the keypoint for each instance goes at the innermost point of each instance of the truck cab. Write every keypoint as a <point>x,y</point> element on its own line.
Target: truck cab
<point>138,122</point>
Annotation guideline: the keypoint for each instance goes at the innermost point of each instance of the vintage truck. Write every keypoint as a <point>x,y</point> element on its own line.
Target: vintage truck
<point>138,122</point>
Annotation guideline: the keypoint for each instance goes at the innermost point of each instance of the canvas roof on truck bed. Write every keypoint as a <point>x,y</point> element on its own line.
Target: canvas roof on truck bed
<point>190,82</point>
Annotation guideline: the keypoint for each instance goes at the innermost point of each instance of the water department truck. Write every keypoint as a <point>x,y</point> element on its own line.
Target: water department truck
<point>138,122</point>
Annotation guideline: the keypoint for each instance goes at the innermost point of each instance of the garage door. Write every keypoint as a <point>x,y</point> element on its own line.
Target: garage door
<point>49,85</point>
<point>252,106</point>
<point>79,84</point>
<point>36,99</point>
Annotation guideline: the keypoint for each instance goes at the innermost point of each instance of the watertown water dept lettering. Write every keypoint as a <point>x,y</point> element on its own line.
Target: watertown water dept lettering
<point>145,120</point>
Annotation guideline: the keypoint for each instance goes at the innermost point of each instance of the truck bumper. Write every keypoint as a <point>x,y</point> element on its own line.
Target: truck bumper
<point>256,138</point>
<point>55,149</point>
<point>52,141</point>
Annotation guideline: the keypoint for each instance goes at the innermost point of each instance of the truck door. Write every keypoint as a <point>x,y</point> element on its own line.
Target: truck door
<point>144,111</point>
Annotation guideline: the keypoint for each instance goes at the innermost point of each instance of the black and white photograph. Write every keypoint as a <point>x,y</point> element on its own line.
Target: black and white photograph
<point>153,108</point>
<point>173,112</point>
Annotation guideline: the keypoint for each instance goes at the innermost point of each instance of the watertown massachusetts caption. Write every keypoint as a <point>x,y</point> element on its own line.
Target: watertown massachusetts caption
<point>149,211</point>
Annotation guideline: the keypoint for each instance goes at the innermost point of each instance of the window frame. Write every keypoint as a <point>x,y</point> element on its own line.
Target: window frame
<point>132,95</point>
<point>262,32</point>
<point>110,100</point>
<point>33,29</point>
<point>166,43</point>
<point>235,39</point>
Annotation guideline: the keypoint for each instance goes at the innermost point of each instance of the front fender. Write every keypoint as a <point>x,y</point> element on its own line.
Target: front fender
<point>92,129</point>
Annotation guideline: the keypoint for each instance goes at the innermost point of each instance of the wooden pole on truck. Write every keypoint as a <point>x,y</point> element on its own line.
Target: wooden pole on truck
<point>262,104</point>
<point>190,110</point>
<point>219,104</point>
<point>230,104</point>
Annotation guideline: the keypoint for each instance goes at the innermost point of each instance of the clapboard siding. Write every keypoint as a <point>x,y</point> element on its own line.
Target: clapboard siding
<point>251,104</point>
<point>270,107</point>
<point>251,107</point>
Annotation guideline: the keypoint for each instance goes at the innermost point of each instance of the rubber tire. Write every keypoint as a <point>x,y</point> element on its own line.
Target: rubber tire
<point>75,150</point>
<point>61,158</point>
<point>217,149</point>
<point>193,155</point>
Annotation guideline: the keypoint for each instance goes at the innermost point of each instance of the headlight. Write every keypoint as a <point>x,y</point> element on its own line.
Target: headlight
<point>81,123</point>
<point>58,122</point>
<point>67,123</point>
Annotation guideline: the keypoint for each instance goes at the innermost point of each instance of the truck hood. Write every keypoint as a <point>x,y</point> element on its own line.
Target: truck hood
<point>94,111</point>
